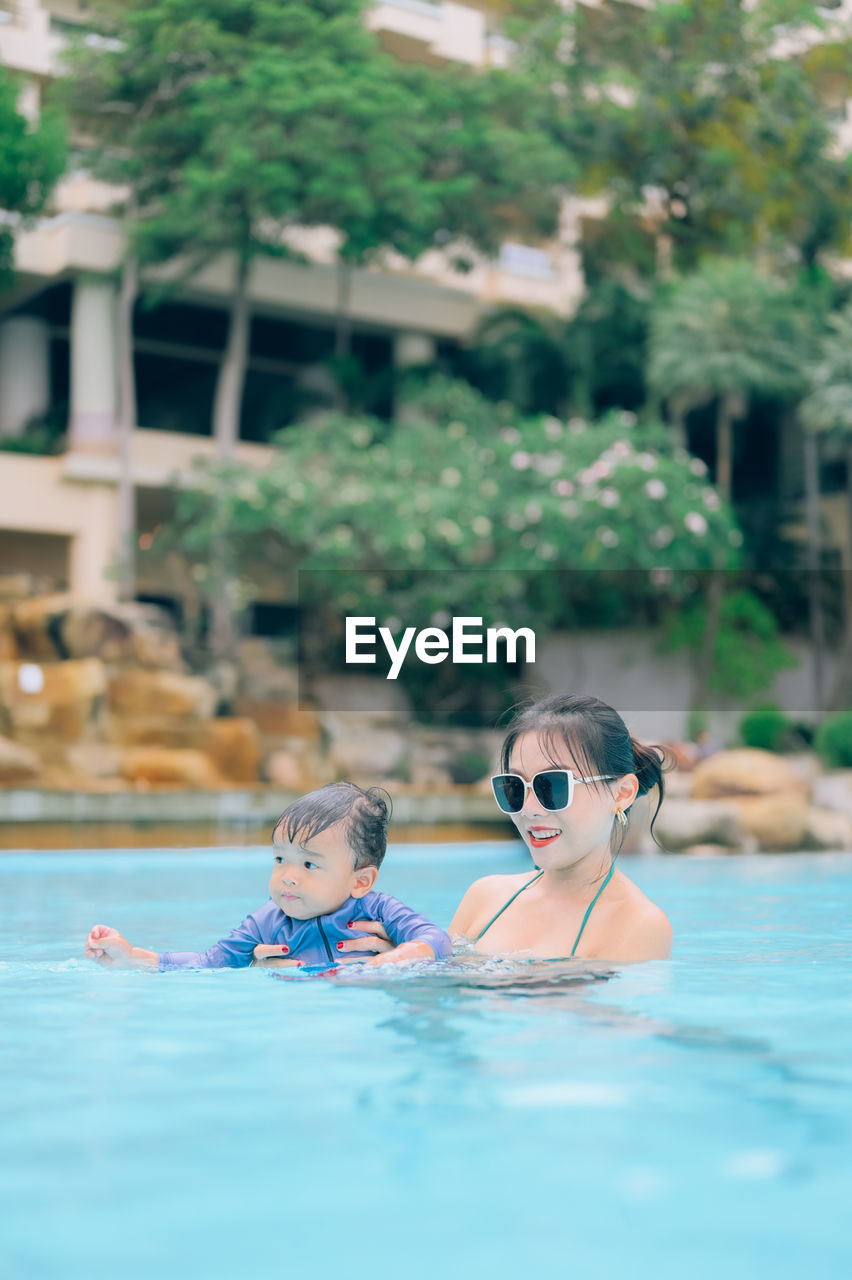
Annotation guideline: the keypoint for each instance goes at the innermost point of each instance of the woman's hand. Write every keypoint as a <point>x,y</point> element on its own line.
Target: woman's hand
<point>379,942</point>
<point>273,956</point>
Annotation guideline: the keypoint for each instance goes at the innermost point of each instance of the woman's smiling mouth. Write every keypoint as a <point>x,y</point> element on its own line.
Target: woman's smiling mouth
<point>541,836</point>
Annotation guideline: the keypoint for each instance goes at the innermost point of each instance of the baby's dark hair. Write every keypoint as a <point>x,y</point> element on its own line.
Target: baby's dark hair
<point>598,740</point>
<point>365,814</point>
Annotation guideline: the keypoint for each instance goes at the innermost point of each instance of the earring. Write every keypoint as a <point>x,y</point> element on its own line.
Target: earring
<point>622,817</point>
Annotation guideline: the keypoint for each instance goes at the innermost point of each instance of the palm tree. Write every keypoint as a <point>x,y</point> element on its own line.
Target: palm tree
<point>827,411</point>
<point>725,333</point>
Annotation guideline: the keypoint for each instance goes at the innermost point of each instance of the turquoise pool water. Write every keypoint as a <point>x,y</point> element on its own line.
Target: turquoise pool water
<point>682,1119</point>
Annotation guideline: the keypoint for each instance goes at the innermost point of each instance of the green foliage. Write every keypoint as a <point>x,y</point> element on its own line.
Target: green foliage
<point>766,727</point>
<point>700,104</point>
<point>32,159</point>
<point>726,328</point>
<point>747,654</point>
<point>828,406</point>
<point>833,740</point>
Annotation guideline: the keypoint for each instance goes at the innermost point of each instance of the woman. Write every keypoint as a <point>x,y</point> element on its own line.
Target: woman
<point>569,773</point>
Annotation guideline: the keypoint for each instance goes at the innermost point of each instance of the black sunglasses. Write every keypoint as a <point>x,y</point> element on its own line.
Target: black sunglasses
<point>553,788</point>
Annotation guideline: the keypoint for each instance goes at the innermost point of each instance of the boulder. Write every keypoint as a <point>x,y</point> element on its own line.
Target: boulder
<point>745,772</point>
<point>358,746</point>
<point>281,718</point>
<point>64,626</point>
<point>8,644</point>
<point>297,769</point>
<point>778,822</point>
<point>18,765</point>
<point>828,829</point>
<point>684,823</point>
<point>834,791</point>
<point>58,698</point>
<point>143,692</point>
<point>95,761</point>
<point>233,744</point>
<point>166,767</point>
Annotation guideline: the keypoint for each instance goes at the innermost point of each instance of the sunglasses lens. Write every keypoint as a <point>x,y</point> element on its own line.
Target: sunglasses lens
<point>552,788</point>
<point>508,792</point>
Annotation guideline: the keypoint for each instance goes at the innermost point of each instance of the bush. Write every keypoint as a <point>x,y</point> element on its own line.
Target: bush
<point>833,740</point>
<point>766,727</point>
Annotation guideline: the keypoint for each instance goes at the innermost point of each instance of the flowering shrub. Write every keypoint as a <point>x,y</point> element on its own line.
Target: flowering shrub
<point>462,490</point>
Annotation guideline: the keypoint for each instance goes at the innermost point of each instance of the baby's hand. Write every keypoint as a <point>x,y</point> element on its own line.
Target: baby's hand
<point>273,956</point>
<point>107,946</point>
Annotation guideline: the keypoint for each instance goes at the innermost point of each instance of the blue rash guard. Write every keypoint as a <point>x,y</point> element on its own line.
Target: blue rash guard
<point>314,941</point>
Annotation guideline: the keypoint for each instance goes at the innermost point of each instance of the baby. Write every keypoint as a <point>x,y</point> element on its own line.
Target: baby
<point>328,847</point>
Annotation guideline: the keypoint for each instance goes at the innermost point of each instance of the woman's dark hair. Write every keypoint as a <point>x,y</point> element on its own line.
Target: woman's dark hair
<point>596,737</point>
<point>365,813</point>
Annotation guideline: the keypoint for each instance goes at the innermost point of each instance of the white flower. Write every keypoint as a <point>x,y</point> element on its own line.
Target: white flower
<point>393,625</point>
<point>488,488</point>
<point>451,476</point>
<point>547,551</point>
<point>449,531</point>
<point>695,523</point>
<point>663,536</point>
<point>441,619</point>
<point>415,540</point>
<point>711,499</point>
<point>516,521</point>
<point>609,497</point>
<point>655,488</point>
<point>576,426</point>
<point>608,537</point>
<point>621,449</point>
<point>520,460</point>
<point>553,429</point>
<point>456,430</point>
<point>510,435</point>
<point>628,418</point>
<point>481,526</point>
<point>697,467</point>
<point>564,488</point>
<point>533,512</point>
<point>570,510</point>
<point>646,461</point>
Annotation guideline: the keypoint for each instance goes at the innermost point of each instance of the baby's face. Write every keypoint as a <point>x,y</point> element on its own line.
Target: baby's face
<point>316,877</point>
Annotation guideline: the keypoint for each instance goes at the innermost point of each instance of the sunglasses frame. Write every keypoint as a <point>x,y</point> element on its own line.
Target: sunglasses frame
<point>529,786</point>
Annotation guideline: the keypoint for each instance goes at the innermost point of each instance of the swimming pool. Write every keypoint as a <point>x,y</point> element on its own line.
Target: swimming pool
<point>690,1118</point>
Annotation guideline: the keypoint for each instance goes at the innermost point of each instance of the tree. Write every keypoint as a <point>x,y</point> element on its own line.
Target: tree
<point>724,333</point>
<point>702,128</point>
<point>827,411</point>
<point>32,159</point>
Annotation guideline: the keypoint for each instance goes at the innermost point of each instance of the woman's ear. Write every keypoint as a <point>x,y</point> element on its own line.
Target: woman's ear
<point>624,793</point>
<point>365,878</point>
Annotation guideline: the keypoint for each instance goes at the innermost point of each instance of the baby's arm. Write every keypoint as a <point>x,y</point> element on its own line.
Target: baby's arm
<point>107,946</point>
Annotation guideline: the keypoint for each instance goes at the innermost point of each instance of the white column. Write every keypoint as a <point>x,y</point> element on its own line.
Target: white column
<point>94,396</point>
<point>24,372</point>
<point>413,349</point>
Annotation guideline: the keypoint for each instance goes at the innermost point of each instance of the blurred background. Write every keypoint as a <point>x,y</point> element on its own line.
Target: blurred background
<point>539,312</point>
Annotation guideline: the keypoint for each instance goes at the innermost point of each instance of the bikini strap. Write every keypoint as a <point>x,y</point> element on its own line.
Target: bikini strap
<point>590,906</point>
<point>537,876</point>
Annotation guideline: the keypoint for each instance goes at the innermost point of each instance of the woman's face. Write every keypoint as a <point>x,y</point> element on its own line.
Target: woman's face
<point>561,838</point>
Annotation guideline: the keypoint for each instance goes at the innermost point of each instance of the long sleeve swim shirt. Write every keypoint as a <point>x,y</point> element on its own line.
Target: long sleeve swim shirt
<point>313,941</point>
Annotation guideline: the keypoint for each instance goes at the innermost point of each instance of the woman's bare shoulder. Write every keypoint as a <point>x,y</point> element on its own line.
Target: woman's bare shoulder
<point>488,891</point>
<point>643,929</point>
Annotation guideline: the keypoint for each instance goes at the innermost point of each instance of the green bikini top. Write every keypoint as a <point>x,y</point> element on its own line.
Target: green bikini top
<point>538,876</point>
